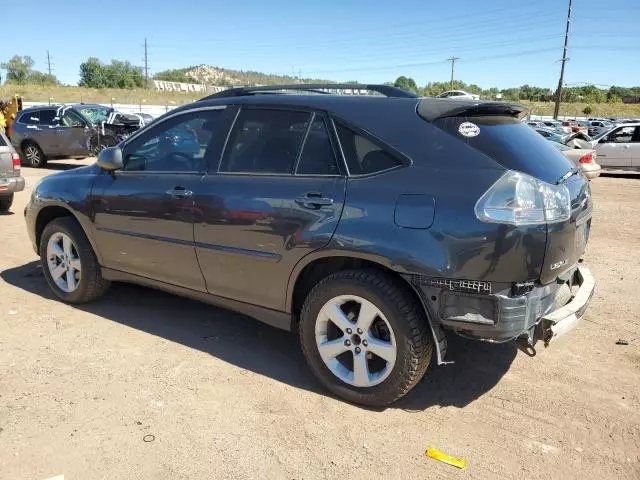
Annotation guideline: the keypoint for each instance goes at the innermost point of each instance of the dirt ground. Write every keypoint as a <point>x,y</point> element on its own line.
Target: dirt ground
<point>146,385</point>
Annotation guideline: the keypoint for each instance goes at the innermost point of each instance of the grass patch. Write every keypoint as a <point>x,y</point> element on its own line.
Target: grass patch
<point>34,93</point>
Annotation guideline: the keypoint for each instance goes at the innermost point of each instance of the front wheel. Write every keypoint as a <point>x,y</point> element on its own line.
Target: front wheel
<point>364,337</point>
<point>69,264</point>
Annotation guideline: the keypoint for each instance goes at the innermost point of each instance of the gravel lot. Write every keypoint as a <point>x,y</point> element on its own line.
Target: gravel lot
<point>146,385</point>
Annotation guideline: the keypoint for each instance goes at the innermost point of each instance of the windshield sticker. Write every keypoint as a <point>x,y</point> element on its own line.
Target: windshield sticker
<point>468,129</point>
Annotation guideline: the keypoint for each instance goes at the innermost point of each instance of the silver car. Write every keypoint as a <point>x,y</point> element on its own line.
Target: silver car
<point>10,179</point>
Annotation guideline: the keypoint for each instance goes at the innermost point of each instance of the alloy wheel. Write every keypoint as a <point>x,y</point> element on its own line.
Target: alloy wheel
<point>33,155</point>
<point>63,262</point>
<point>355,341</point>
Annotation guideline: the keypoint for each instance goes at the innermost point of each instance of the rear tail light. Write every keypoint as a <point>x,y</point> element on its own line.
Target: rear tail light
<point>587,158</point>
<point>519,199</point>
<point>16,164</point>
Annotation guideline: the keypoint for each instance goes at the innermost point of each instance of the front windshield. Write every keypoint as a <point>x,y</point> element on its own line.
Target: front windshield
<point>95,113</point>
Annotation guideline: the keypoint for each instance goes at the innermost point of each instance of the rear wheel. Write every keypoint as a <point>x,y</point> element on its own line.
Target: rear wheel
<point>5,202</point>
<point>364,337</point>
<point>69,264</point>
<point>33,155</point>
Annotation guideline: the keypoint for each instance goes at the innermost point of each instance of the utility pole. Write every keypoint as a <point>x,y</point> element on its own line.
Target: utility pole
<point>49,62</point>
<point>556,110</point>
<point>146,65</point>
<point>453,67</point>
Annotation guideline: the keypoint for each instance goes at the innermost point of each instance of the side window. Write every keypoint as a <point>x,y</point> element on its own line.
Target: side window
<point>362,155</point>
<point>178,144</point>
<point>622,135</point>
<point>48,117</point>
<point>265,141</point>
<point>71,119</point>
<point>29,118</point>
<point>317,156</point>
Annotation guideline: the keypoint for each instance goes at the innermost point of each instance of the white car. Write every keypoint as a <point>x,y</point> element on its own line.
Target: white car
<point>459,94</point>
<point>555,125</point>
<point>619,148</point>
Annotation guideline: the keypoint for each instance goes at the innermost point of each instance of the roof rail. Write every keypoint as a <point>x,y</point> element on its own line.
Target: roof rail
<point>323,88</point>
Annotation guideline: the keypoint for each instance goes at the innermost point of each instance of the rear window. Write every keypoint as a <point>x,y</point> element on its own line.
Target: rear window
<point>29,118</point>
<point>512,144</point>
<point>47,117</point>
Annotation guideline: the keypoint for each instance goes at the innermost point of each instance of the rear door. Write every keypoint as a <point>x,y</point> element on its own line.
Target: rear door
<point>615,149</point>
<point>276,196</point>
<point>47,132</point>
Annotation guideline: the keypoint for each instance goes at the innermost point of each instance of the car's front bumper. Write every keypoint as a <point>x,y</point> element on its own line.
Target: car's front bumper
<point>501,312</point>
<point>9,185</point>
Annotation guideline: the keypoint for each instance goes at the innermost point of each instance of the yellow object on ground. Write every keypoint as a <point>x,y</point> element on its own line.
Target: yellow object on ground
<point>443,457</point>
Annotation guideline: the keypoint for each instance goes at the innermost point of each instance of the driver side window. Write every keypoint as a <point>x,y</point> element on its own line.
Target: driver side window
<point>622,135</point>
<point>71,119</point>
<point>179,144</point>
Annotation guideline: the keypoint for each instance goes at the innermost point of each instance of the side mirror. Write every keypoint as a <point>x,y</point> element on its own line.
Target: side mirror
<point>110,159</point>
<point>79,125</point>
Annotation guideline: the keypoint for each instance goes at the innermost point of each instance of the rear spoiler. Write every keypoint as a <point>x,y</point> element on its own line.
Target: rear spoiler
<point>433,108</point>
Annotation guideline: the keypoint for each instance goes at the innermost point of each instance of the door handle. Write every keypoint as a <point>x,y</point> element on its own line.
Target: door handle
<point>314,200</point>
<point>179,192</point>
<point>626,146</point>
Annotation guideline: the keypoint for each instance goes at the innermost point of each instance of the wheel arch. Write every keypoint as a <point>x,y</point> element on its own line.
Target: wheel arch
<point>47,213</point>
<point>315,267</point>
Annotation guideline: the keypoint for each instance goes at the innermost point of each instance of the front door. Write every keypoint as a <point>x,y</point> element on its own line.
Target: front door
<point>73,134</point>
<point>144,214</point>
<point>278,195</point>
<point>615,149</point>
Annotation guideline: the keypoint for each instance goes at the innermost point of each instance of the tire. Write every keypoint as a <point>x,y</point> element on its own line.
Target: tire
<point>89,284</point>
<point>5,202</point>
<point>33,155</point>
<point>407,328</point>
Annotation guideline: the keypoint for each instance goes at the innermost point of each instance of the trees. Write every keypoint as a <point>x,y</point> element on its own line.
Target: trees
<point>118,74</point>
<point>20,70</point>
<point>587,110</point>
<point>406,83</point>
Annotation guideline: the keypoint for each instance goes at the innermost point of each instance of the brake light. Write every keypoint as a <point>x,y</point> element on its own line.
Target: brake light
<point>519,199</point>
<point>587,158</point>
<point>16,164</point>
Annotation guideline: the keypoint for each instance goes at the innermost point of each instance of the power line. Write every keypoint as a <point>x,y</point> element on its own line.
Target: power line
<point>49,62</point>
<point>146,64</point>
<point>556,110</point>
<point>453,67</point>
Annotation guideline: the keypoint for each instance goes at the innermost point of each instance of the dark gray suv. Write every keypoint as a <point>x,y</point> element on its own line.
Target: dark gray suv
<point>69,131</point>
<point>374,227</point>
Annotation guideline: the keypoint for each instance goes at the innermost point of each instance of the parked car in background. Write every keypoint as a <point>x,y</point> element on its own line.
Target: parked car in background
<point>555,125</point>
<point>619,148</point>
<point>11,181</point>
<point>69,131</point>
<point>583,158</point>
<point>373,227</point>
<point>575,126</point>
<point>552,135</point>
<point>596,127</point>
<point>459,95</point>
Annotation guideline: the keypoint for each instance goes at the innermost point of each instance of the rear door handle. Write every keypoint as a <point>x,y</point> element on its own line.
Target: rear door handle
<point>314,200</point>
<point>180,192</point>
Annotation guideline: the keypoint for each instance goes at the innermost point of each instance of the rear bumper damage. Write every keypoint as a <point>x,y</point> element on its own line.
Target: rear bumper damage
<point>565,318</point>
<point>500,313</point>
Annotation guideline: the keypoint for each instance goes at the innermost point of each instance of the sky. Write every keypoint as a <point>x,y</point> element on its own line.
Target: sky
<point>500,43</point>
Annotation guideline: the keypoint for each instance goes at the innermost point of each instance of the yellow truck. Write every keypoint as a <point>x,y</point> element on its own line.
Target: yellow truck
<point>8,112</point>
